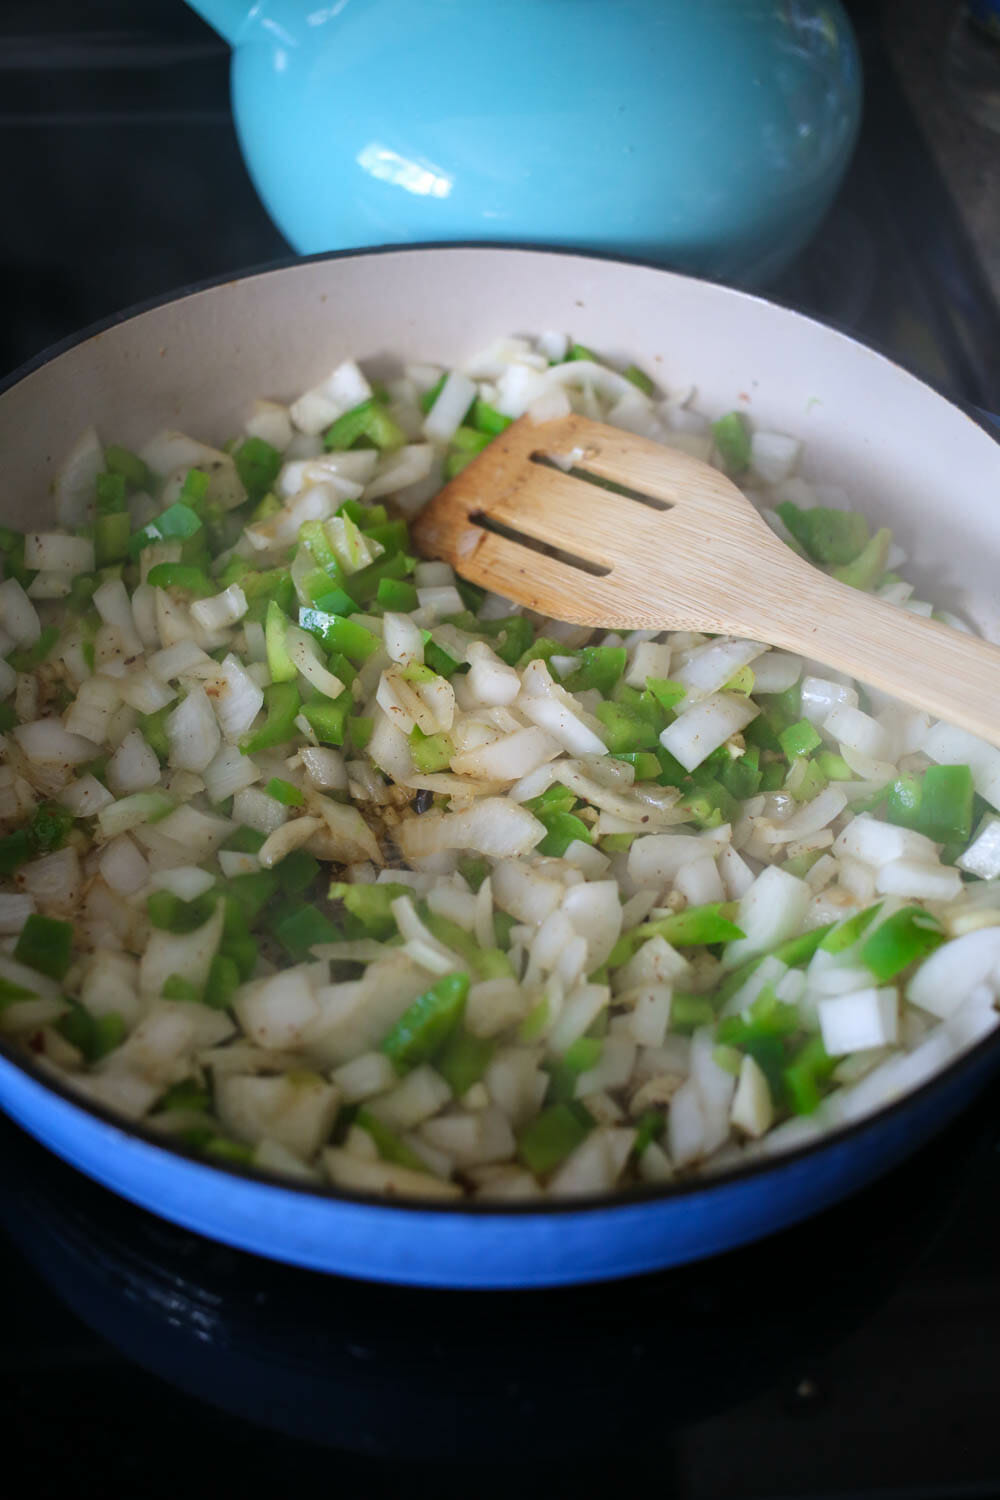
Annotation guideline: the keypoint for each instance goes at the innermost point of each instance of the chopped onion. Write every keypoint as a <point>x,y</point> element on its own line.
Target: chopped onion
<point>193,732</point>
<point>18,615</point>
<point>699,730</point>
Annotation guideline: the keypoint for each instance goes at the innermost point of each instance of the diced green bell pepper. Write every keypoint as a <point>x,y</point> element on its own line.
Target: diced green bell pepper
<point>901,940</point>
<point>425,1026</point>
<point>45,944</point>
<point>546,1141</point>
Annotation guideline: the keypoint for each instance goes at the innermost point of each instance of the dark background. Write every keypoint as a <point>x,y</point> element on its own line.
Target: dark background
<point>857,1356</point>
<point>121,179</point>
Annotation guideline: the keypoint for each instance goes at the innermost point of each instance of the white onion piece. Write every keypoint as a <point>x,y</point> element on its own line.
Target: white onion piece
<point>114,607</point>
<point>221,610</point>
<point>876,843</point>
<point>509,757</point>
<point>918,880</point>
<point>772,910</point>
<point>648,659</point>
<point>18,615</point>
<point>810,818</point>
<point>402,638</point>
<point>452,402</point>
<point>490,680</point>
<point>238,700</point>
<point>699,730</point>
<point>708,668</point>
<point>228,772</point>
<point>409,465</point>
<point>188,955</point>
<point>55,552</point>
<point>773,455</point>
<point>123,866</point>
<point>494,826</point>
<point>821,695</point>
<point>85,797</point>
<point>776,672</point>
<point>857,731</point>
<point>950,747</point>
<point>193,732</point>
<point>859,1020</point>
<point>134,767</point>
<point>76,481</point>
<point>46,742</point>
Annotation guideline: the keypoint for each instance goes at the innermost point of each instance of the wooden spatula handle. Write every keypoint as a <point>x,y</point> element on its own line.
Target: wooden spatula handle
<point>949,674</point>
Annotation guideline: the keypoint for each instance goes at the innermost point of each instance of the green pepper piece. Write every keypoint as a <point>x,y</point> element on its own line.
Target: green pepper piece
<point>388,1144</point>
<point>564,1071</point>
<point>431,752</point>
<point>29,658</point>
<point>111,535</point>
<point>425,1026</point>
<point>172,914</point>
<point>360,730</point>
<point>463,1060</point>
<point>45,944</point>
<point>563,829</point>
<point>552,1135</point>
<point>340,634</point>
<point>513,638</point>
<point>640,379</point>
<point>251,892</point>
<point>279,663</point>
<point>666,692</point>
<point>864,570</point>
<point>805,1076</point>
<point>257,464</point>
<point>688,1012</point>
<point>847,932</point>
<point>282,706</point>
<point>473,870</point>
<point>222,983</point>
<point>732,441</point>
<point>111,496</point>
<point>541,649</point>
<point>649,1127</point>
<point>300,931</point>
<point>244,840</point>
<point>175,575</point>
<point>119,460</point>
<point>439,661</point>
<point>176,987</point>
<point>486,418</point>
<point>625,730</point>
<point>645,764</point>
<point>600,668</point>
<point>581,351</point>
<point>695,926</point>
<point>397,595</point>
<point>329,718</point>
<point>296,872</point>
<point>829,536</point>
<point>370,905</point>
<point>284,792</point>
<point>187,1095</point>
<point>901,940</point>
<point>799,739</point>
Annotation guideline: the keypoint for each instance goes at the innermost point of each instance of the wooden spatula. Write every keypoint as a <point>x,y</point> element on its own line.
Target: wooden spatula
<point>683,549</point>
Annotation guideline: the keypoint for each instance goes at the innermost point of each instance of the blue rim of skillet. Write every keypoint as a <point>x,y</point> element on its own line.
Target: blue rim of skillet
<point>397,1203</point>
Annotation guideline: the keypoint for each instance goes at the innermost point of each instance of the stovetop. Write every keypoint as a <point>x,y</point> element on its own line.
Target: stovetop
<point>855,1355</point>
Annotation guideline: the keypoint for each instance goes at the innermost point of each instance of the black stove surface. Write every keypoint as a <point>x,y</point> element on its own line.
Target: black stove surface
<point>855,1355</point>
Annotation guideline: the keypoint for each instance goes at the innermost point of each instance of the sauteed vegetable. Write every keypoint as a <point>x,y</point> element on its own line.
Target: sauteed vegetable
<point>315,858</point>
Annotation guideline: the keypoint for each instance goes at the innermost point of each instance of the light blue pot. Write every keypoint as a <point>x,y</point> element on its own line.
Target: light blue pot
<point>708,135</point>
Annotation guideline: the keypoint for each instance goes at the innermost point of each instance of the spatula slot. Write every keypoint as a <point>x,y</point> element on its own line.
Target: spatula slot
<point>521,538</point>
<point>599,482</point>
